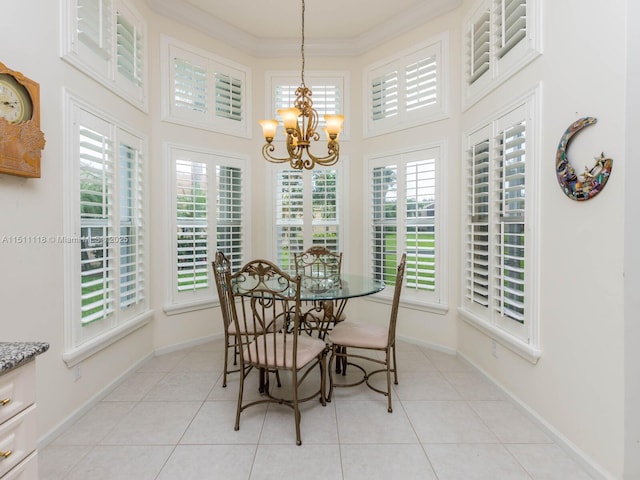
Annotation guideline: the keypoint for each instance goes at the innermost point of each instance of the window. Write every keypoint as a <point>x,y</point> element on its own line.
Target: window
<point>205,91</point>
<point>328,96</point>
<point>307,206</point>
<point>106,39</point>
<point>105,237</point>
<point>501,37</point>
<point>405,217</point>
<point>408,89</point>
<point>208,214</point>
<point>499,274</point>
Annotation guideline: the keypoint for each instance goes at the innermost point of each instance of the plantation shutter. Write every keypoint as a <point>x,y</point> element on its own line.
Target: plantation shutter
<point>477,261</point>
<point>230,215</point>
<point>420,177</point>
<point>384,190</point>
<point>189,85</point>
<point>96,224</point>
<point>94,25</point>
<point>325,223</point>
<point>421,83</point>
<point>479,47</point>
<point>510,235</point>
<point>384,96</point>
<point>129,50</point>
<point>192,225</point>
<point>131,238</point>
<point>228,97</point>
<point>512,24</point>
<point>289,217</point>
<point>326,98</point>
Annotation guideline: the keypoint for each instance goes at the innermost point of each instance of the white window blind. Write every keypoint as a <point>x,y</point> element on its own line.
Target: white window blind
<point>511,18</point>
<point>307,205</point>
<point>107,40</point>
<point>421,83</point>
<point>501,38</point>
<point>384,96</point>
<point>94,25</point>
<point>289,217</point>
<point>509,273</point>
<point>192,223</point>
<point>500,234</point>
<point>326,95</point>
<point>204,90</point>
<point>477,236</point>
<point>129,50</point>
<point>228,97</point>
<point>131,238</point>
<point>479,47</point>
<point>403,218</point>
<point>97,263</point>
<point>229,229</point>
<point>407,89</point>
<point>189,85</point>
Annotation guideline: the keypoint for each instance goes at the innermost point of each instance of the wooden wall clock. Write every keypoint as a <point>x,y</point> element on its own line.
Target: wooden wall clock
<point>21,140</point>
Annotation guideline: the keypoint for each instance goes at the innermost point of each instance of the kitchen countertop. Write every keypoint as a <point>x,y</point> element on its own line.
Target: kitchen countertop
<point>15,354</point>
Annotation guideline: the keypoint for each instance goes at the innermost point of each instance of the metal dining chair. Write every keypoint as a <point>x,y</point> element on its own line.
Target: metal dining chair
<point>263,293</point>
<point>347,336</point>
<point>320,270</point>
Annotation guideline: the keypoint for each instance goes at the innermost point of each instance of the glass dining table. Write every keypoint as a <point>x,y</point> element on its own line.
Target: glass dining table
<point>328,296</point>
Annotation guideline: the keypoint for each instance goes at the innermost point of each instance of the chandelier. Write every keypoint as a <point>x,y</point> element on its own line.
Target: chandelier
<point>300,124</point>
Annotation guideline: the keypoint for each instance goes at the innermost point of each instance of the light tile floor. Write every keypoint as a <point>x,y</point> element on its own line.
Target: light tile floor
<point>172,419</point>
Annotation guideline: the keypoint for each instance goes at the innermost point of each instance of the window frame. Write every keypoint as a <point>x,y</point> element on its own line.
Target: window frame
<point>192,300</point>
<point>82,342</point>
<point>500,67</point>
<point>523,339</point>
<point>101,63</point>
<point>212,64</point>
<point>341,218</point>
<point>322,78</point>
<point>435,301</point>
<point>438,47</point>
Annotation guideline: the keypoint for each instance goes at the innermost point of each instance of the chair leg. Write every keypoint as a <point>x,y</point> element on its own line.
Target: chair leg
<point>395,366</point>
<point>323,379</point>
<point>296,409</point>
<point>388,364</point>
<point>330,370</point>
<point>226,359</point>
<point>240,392</point>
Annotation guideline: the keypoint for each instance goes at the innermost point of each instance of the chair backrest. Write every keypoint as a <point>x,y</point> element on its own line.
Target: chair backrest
<point>396,299</point>
<point>319,267</point>
<point>264,299</point>
<point>222,266</point>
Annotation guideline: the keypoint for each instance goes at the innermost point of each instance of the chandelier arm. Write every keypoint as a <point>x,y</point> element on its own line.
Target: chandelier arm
<point>269,147</point>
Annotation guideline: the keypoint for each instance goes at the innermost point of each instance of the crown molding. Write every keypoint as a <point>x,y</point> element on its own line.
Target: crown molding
<point>283,47</point>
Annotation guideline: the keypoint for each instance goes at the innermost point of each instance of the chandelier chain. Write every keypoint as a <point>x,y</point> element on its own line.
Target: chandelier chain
<point>302,47</point>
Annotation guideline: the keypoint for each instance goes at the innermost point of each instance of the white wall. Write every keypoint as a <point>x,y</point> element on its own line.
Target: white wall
<point>577,387</point>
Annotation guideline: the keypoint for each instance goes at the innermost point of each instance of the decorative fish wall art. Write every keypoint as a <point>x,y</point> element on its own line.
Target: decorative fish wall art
<point>593,180</point>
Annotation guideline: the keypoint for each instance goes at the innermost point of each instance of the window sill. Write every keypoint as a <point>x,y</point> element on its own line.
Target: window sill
<point>526,351</point>
<point>74,356</point>
<point>178,308</point>
<point>413,304</point>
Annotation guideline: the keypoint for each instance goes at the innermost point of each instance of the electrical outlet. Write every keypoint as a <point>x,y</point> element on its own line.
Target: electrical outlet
<point>494,348</point>
<point>76,373</point>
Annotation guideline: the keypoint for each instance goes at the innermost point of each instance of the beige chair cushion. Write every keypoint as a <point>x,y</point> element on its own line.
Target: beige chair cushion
<point>308,349</point>
<point>361,335</point>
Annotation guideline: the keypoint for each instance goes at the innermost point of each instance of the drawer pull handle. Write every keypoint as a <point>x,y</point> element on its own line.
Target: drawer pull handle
<point>4,401</point>
<point>6,454</point>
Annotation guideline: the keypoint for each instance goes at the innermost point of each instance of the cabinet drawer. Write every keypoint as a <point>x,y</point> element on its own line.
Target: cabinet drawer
<point>17,439</point>
<point>17,390</point>
<point>26,470</point>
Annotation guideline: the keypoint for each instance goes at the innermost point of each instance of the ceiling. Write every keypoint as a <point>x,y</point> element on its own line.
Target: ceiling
<point>332,27</point>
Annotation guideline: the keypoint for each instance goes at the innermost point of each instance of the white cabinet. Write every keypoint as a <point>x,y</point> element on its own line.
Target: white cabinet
<point>18,458</point>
